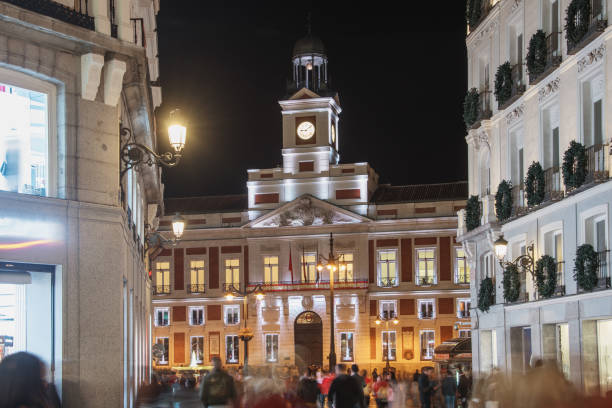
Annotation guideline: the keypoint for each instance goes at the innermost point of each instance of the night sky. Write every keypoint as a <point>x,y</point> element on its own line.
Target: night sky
<point>400,74</point>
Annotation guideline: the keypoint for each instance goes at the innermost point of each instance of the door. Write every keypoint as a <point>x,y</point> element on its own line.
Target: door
<point>308,335</point>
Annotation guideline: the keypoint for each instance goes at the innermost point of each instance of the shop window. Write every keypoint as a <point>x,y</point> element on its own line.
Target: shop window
<point>389,346</point>
<point>272,347</point>
<point>163,360</point>
<point>231,349</point>
<point>197,349</point>
<point>346,346</point>
<point>427,344</point>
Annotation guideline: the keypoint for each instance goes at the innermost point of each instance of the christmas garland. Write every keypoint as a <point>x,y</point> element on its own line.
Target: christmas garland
<point>472,213</point>
<point>511,283</point>
<point>503,83</point>
<point>486,294</point>
<point>577,21</point>
<point>585,267</point>
<point>470,107</point>
<point>536,55</point>
<point>503,200</point>
<point>574,165</point>
<point>472,13</point>
<point>534,184</point>
<point>546,275</point>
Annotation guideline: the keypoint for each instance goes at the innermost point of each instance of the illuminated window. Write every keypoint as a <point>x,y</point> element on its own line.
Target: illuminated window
<point>270,269</point>
<point>387,267</point>
<point>162,278</point>
<point>231,314</point>
<point>389,345</point>
<point>197,276</point>
<point>462,273</point>
<point>426,266</point>
<point>163,357</point>
<point>465,333</point>
<point>162,316</point>
<point>309,267</point>
<point>196,315</point>
<point>232,272</point>
<point>197,349</point>
<point>231,348</point>
<point>346,346</point>
<point>463,308</point>
<point>271,347</point>
<point>24,136</point>
<point>345,274</point>
<point>426,309</point>
<point>427,344</point>
<point>388,308</point>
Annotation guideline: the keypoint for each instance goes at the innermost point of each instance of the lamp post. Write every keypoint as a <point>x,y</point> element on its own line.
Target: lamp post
<point>155,239</point>
<point>332,263</point>
<point>525,261</point>
<point>245,334</point>
<point>387,317</point>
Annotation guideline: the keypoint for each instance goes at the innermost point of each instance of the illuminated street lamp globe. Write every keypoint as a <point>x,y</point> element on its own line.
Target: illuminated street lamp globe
<point>178,226</point>
<point>177,132</point>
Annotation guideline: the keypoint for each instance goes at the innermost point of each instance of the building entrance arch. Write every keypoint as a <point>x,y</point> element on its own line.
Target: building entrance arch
<point>308,335</point>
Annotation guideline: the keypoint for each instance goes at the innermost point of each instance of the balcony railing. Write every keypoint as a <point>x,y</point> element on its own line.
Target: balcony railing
<point>552,184</point>
<point>56,10</point>
<point>463,314</point>
<point>553,57</point>
<point>387,282</point>
<point>288,286</point>
<point>462,279</point>
<point>425,280</point>
<point>596,163</point>
<point>196,288</point>
<point>560,288</point>
<point>519,200</point>
<point>598,22</point>
<point>161,290</point>
<point>603,273</point>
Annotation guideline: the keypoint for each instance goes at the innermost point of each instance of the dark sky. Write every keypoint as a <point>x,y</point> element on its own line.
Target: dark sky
<point>400,73</point>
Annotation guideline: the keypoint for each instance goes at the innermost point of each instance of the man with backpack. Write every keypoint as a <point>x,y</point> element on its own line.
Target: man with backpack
<point>218,389</point>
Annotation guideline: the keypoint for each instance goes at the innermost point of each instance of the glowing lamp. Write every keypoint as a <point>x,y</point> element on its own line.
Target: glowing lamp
<point>178,226</point>
<point>319,267</point>
<point>229,296</point>
<point>309,66</point>
<point>259,295</point>
<point>501,247</point>
<point>177,132</point>
<point>395,321</point>
<point>378,321</point>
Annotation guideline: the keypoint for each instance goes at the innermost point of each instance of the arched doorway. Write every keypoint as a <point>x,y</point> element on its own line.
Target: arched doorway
<point>308,335</point>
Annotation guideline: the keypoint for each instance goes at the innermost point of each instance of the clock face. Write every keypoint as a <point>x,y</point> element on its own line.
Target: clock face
<point>333,134</point>
<point>305,130</point>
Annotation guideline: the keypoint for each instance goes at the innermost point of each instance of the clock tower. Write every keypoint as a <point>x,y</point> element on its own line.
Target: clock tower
<point>310,112</point>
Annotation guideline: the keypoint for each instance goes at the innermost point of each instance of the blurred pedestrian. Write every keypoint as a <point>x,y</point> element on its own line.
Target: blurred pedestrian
<point>345,391</point>
<point>367,389</point>
<point>307,393</point>
<point>218,388</point>
<point>449,389</point>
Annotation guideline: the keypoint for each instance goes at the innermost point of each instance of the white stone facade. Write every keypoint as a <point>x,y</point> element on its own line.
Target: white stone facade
<point>569,101</point>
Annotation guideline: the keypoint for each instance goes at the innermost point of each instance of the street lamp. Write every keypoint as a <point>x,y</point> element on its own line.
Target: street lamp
<point>246,333</point>
<point>155,239</point>
<point>525,261</point>
<point>332,263</point>
<point>387,317</point>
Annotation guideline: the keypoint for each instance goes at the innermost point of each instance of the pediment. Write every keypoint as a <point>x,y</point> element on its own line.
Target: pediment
<point>306,211</point>
<point>304,93</point>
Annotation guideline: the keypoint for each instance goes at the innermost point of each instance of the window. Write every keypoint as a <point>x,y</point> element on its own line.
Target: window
<point>388,344</point>
<point>426,309</point>
<point>553,246</point>
<point>346,346</point>
<point>426,266</point>
<point>197,276</point>
<point>24,135</point>
<point>551,151</point>
<point>465,333</point>
<point>387,267</point>
<point>487,266</point>
<point>232,272</point>
<point>164,355</point>
<point>231,349</point>
<point>271,347</point>
<point>162,316</point>
<point>196,315</point>
<point>345,274</point>
<point>488,350</point>
<point>162,278</point>
<point>388,308</point>
<point>550,24</point>
<point>463,308</point>
<point>427,344</point>
<point>197,349</point>
<point>232,314</point>
<point>592,111</point>
<point>309,267</point>
<point>462,273</point>
<point>517,165</point>
<point>270,269</point>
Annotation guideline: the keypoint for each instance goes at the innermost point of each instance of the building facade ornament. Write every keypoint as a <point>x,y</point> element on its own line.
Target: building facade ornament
<point>592,57</point>
<point>515,5</point>
<point>307,302</point>
<point>485,32</point>
<point>306,213</point>
<point>515,114</point>
<point>549,88</point>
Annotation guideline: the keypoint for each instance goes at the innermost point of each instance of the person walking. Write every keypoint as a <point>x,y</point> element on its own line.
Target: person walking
<point>367,389</point>
<point>463,389</point>
<point>426,387</point>
<point>218,388</point>
<point>326,382</point>
<point>381,392</point>
<point>346,391</point>
<point>22,383</point>
<point>416,375</point>
<point>355,373</point>
<point>449,389</point>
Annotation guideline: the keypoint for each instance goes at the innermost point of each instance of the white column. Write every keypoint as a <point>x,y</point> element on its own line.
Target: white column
<point>99,11</point>
<point>122,14</point>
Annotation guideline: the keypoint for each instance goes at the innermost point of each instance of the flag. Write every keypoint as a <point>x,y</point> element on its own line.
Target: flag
<point>290,264</point>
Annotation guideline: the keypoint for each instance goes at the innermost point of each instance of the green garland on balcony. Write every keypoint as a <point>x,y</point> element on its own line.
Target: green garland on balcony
<point>470,107</point>
<point>577,21</point>
<point>536,54</point>
<point>486,294</point>
<point>473,12</point>
<point>574,165</point>
<point>585,267</point>
<point>472,213</point>
<point>546,275</point>
<point>534,184</point>
<point>503,83</point>
<point>511,283</point>
<point>503,200</point>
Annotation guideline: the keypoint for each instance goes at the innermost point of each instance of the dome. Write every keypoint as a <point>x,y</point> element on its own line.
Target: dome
<point>308,45</point>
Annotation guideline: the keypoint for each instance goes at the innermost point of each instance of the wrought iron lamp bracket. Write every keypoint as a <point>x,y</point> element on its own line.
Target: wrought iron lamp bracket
<point>134,154</point>
<point>525,261</point>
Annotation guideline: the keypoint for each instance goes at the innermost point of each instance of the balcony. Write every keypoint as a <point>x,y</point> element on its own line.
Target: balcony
<point>196,288</point>
<point>387,282</point>
<point>425,280</point>
<point>462,279</point>
<point>161,290</point>
<point>598,22</point>
<point>596,164</point>
<point>560,288</point>
<point>55,10</point>
<point>288,286</point>
<point>553,57</point>
<point>484,104</point>
<point>603,273</point>
<point>552,184</point>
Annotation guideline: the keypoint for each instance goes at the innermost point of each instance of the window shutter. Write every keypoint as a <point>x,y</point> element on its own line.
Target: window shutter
<point>445,260</point>
<point>179,313</point>
<point>446,333</point>
<point>213,312</point>
<point>373,343</point>
<point>406,259</point>
<point>373,307</point>
<point>179,269</point>
<point>213,273</point>
<point>179,348</point>
<point>406,306</point>
<point>446,305</point>
<point>372,261</point>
